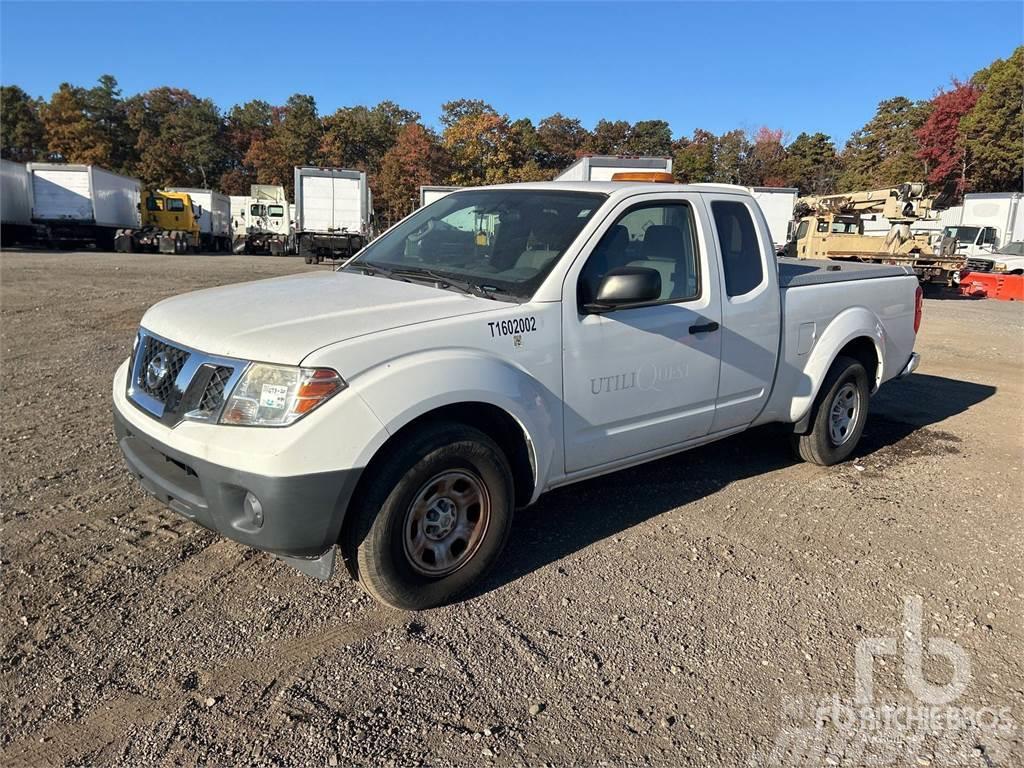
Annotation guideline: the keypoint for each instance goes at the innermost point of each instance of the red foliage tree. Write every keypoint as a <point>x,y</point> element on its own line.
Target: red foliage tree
<point>941,146</point>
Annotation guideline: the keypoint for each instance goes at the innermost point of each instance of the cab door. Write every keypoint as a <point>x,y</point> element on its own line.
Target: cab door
<point>642,378</point>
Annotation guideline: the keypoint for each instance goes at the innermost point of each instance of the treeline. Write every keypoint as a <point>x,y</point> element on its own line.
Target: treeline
<point>970,132</point>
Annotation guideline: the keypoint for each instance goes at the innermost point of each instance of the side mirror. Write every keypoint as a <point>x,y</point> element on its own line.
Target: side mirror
<point>625,286</point>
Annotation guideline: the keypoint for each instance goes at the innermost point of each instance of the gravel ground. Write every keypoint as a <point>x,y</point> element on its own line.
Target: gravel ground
<point>680,613</point>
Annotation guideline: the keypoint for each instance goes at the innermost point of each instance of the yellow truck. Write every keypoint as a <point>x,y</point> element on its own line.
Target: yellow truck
<point>832,227</point>
<point>170,224</point>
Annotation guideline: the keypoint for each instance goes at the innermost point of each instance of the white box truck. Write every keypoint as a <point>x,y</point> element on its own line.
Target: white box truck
<point>214,216</point>
<point>79,204</point>
<point>429,194</point>
<point>15,211</point>
<point>264,226</point>
<point>988,221</point>
<point>776,204</point>
<point>333,213</point>
<point>603,167</point>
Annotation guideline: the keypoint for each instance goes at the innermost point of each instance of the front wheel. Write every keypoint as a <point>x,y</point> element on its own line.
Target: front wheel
<point>433,518</point>
<point>840,412</point>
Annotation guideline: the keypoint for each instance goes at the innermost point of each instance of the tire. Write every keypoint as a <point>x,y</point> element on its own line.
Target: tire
<point>840,412</point>
<point>431,482</point>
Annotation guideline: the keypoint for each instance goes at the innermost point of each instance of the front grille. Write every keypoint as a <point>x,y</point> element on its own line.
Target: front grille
<point>171,361</point>
<point>213,395</point>
<point>979,265</point>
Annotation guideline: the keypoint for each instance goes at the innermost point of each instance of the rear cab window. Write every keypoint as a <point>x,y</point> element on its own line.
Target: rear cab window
<point>742,258</point>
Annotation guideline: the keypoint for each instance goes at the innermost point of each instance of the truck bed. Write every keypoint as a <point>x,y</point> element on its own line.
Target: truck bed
<point>798,272</point>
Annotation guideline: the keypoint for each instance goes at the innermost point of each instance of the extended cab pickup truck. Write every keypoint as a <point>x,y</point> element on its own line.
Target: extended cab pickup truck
<point>496,344</point>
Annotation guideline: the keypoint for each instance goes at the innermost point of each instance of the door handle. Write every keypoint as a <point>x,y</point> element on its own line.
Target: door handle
<point>706,328</point>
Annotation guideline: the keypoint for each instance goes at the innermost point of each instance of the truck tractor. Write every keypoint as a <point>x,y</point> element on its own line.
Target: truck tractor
<point>170,224</point>
<point>266,226</point>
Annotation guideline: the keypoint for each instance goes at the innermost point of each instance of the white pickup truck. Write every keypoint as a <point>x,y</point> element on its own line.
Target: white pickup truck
<point>496,344</point>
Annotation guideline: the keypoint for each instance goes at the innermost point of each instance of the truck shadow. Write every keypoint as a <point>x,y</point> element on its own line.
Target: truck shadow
<point>569,519</point>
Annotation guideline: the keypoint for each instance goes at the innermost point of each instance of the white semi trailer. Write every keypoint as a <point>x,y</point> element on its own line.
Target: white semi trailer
<point>214,217</point>
<point>78,204</point>
<point>15,210</point>
<point>333,213</point>
<point>776,204</point>
<point>429,194</point>
<point>603,167</point>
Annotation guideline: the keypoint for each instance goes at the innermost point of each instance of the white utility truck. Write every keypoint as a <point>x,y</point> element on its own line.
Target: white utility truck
<point>333,213</point>
<point>15,209</point>
<point>777,206</point>
<point>405,404</point>
<point>214,217</point>
<point>603,167</point>
<point>78,204</point>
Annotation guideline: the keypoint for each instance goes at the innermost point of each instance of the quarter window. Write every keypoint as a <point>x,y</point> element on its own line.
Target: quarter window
<point>275,210</point>
<point>741,252</point>
<point>658,236</point>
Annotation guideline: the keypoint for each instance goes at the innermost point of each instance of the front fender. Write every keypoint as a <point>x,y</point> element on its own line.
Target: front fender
<point>403,389</point>
<point>850,324</point>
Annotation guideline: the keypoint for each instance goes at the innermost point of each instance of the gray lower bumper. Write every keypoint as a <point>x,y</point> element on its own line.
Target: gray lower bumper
<point>911,366</point>
<point>298,518</point>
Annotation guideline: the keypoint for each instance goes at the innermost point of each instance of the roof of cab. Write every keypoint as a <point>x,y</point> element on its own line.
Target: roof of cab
<point>618,188</point>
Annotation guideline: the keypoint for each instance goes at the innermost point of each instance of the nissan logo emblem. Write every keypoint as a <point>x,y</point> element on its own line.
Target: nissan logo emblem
<point>157,370</point>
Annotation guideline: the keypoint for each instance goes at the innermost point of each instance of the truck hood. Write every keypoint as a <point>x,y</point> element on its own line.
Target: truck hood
<point>284,319</point>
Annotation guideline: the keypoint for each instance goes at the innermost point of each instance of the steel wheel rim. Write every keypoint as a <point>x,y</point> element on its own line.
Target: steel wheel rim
<point>446,523</point>
<point>843,413</point>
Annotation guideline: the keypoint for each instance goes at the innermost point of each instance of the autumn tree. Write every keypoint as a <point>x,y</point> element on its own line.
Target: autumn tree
<point>21,129</point>
<point>71,136</point>
<point>359,137</point>
<point>180,140</point>
<point>243,125</point>
<point>562,140</point>
<point>993,131</point>
<point>476,138</point>
<point>811,164</point>
<point>694,159</point>
<point>766,159</point>
<point>941,145</point>
<point>609,137</point>
<point>649,137</point>
<point>416,159</point>
<point>293,139</point>
<point>884,152</point>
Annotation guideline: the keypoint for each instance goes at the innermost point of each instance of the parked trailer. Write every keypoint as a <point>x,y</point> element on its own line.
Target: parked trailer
<point>214,215</point>
<point>429,194</point>
<point>333,213</point>
<point>776,204</point>
<point>265,227</point>
<point>15,209</point>
<point>77,204</point>
<point>603,167</point>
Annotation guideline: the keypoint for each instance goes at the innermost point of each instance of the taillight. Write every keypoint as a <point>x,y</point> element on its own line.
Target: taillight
<point>918,307</point>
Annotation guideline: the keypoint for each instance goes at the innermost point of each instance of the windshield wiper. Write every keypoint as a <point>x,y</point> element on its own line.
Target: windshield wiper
<point>446,281</point>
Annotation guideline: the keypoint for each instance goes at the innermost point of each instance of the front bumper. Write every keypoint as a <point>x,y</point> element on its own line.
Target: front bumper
<point>298,518</point>
<point>911,366</point>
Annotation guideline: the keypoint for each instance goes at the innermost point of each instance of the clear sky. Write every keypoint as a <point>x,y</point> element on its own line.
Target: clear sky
<point>796,66</point>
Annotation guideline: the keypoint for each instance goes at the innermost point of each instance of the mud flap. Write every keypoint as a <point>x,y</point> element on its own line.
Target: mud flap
<point>321,568</point>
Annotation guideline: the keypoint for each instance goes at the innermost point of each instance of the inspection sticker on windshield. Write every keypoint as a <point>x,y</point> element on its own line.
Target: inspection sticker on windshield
<point>273,396</point>
<point>513,327</point>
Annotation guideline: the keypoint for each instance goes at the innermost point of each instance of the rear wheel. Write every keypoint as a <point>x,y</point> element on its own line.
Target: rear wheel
<point>433,518</point>
<point>840,412</point>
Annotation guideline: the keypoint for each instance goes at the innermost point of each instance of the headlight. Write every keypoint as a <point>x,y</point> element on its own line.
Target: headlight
<point>278,395</point>
<point>999,266</point>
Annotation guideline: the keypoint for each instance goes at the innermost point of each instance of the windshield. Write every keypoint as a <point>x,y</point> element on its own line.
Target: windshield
<point>1013,249</point>
<point>502,240</point>
<point>963,234</point>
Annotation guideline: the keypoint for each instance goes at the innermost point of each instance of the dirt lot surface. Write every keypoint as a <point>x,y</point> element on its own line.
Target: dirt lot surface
<point>673,614</point>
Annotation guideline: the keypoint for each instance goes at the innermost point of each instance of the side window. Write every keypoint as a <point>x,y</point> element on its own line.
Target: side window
<point>276,211</point>
<point>658,236</point>
<point>822,225</point>
<point>801,231</point>
<point>257,210</point>
<point>174,204</point>
<point>741,252</point>
<point>989,238</point>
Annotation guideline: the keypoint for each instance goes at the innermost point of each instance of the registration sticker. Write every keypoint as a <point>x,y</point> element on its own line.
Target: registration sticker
<point>273,396</point>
